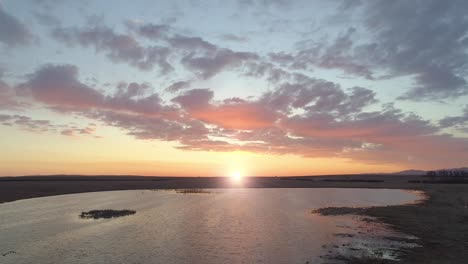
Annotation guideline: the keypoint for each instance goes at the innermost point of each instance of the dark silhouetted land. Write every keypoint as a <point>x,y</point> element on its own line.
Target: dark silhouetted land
<point>15,188</point>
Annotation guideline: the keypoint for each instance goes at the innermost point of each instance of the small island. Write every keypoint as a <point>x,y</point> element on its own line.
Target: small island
<point>106,213</point>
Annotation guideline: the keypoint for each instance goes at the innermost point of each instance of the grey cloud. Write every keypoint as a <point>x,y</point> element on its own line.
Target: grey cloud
<point>426,150</point>
<point>59,87</point>
<point>46,19</point>
<point>384,127</point>
<point>12,31</point>
<point>177,86</point>
<point>8,98</point>
<point>40,125</point>
<point>234,38</point>
<point>208,66</point>
<point>118,47</point>
<point>191,43</point>
<point>133,89</point>
<point>266,3</point>
<point>272,73</point>
<point>206,59</point>
<point>149,30</point>
<point>337,54</point>
<point>436,83</point>
<point>195,98</point>
<point>195,54</point>
<point>427,39</point>
<point>320,96</point>
<point>144,127</point>
<point>458,122</point>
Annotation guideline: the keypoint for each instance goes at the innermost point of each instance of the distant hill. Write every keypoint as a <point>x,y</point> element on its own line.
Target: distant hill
<point>410,172</point>
<point>422,172</point>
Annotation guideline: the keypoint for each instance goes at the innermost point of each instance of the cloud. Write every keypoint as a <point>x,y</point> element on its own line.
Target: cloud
<point>304,116</point>
<point>318,95</point>
<point>58,86</point>
<point>206,59</point>
<point>117,47</point>
<point>195,99</point>
<point>13,33</point>
<point>380,127</point>
<point>238,115</point>
<point>315,118</point>
<point>46,19</point>
<point>41,126</point>
<point>266,3</point>
<point>149,30</point>
<point>133,89</point>
<point>425,40</point>
<point>150,127</point>
<point>457,122</point>
<point>234,38</point>
<point>26,123</point>
<point>177,86</point>
<point>336,56</point>
<point>436,82</point>
<point>8,99</point>
<point>208,66</point>
<point>77,131</point>
<point>234,113</point>
<point>197,55</point>
<point>191,43</point>
<point>430,151</point>
<point>261,69</point>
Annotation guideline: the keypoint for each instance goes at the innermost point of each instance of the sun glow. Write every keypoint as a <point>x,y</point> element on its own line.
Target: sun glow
<point>236,177</point>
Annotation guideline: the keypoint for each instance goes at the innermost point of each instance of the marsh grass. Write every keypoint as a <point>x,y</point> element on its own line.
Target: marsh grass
<point>196,190</point>
<point>325,211</point>
<point>106,213</point>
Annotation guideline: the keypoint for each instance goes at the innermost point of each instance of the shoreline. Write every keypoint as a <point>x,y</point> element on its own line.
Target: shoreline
<point>17,188</point>
<point>440,221</point>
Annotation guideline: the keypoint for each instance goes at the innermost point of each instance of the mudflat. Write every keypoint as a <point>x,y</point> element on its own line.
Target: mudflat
<point>440,221</point>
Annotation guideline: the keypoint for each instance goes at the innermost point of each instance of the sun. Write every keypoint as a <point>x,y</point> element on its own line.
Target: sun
<point>236,177</point>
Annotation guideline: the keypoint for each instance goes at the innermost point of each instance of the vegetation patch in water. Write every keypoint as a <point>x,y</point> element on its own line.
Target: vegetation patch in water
<point>339,210</point>
<point>107,213</point>
<point>8,253</point>
<point>195,190</point>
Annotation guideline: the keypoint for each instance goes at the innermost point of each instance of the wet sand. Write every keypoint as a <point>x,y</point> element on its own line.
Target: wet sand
<point>441,221</point>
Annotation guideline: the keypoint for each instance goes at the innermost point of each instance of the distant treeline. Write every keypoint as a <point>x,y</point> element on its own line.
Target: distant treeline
<point>447,173</point>
<point>445,176</point>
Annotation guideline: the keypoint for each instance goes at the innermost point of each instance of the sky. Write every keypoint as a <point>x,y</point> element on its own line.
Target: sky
<point>215,88</point>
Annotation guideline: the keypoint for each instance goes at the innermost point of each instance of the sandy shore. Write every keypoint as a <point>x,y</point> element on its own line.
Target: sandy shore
<point>441,222</point>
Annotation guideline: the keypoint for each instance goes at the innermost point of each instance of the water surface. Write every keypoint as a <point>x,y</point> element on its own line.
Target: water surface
<point>223,226</point>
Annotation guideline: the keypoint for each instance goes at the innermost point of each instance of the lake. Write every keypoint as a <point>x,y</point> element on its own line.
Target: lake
<point>234,225</point>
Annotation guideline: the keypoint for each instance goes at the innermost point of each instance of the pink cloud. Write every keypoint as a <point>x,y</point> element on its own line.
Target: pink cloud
<point>232,113</point>
<point>307,117</point>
